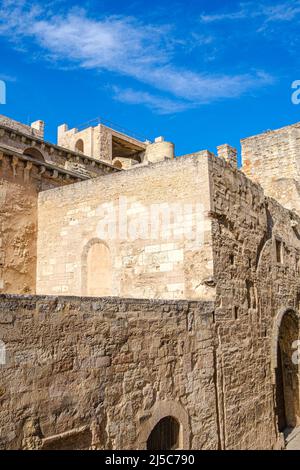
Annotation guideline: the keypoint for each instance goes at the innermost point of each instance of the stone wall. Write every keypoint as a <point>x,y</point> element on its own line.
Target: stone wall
<point>68,139</point>
<point>165,264</point>
<point>18,219</point>
<point>97,140</point>
<point>273,160</point>
<point>101,373</point>
<point>36,129</point>
<point>21,180</point>
<point>158,151</point>
<point>18,140</point>
<point>253,288</point>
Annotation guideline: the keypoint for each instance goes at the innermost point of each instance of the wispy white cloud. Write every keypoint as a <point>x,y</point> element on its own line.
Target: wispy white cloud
<point>287,11</point>
<point>229,16</point>
<point>276,12</point>
<point>123,46</point>
<point>158,103</point>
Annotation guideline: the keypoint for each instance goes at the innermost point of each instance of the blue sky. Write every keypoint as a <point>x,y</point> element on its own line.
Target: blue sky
<point>201,73</point>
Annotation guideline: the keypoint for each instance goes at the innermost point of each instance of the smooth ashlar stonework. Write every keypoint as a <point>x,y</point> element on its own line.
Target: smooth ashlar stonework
<point>141,268</point>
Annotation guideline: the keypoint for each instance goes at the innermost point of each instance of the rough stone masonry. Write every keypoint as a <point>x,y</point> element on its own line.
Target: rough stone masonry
<point>177,342</point>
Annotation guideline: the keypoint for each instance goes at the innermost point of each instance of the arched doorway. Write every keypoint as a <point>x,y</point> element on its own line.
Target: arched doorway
<point>34,153</point>
<point>79,146</point>
<point>171,417</point>
<point>287,371</point>
<point>97,269</point>
<point>165,435</point>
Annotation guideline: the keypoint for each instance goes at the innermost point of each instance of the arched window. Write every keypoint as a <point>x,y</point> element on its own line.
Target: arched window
<point>34,153</point>
<point>97,270</point>
<point>79,146</point>
<point>165,435</point>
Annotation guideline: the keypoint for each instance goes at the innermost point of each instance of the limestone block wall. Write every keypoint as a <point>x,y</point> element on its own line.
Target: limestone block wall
<point>273,160</point>
<point>16,139</point>
<point>253,287</point>
<point>36,129</point>
<point>101,373</point>
<point>158,151</point>
<point>103,144</point>
<point>97,140</point>
<point>68,138</point>
<point>20,182</point>
<point>163,264</point>
<point>18,218</point>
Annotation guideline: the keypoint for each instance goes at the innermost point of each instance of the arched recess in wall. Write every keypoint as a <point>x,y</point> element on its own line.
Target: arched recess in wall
<point>165,435</point>
<point>96,269</point>
<point>79,146</point>
<point>285,369</point>
<point>34,153</point>
<point>167,429</point>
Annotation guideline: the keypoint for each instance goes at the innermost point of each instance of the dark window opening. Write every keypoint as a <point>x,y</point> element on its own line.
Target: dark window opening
<point>278,245</point>
<point>298,301</point>
<point>165,435</point>
<point>280,404</point>
<point>287,378</point>
<point>79,147</point>
<point>235,312</point>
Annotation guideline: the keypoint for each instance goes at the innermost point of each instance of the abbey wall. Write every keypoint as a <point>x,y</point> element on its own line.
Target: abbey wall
<point>28,166</point>
<point>100,373</point>
<point>151,256</point>
<point>103,143</point>
<point>273,160</point>
<point>186,332</point>
<point>256,247</point>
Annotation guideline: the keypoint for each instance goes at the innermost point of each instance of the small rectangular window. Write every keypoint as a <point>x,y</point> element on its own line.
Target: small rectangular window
<point>278,246</point>
<point>298,301</point>
<point>235,312</point>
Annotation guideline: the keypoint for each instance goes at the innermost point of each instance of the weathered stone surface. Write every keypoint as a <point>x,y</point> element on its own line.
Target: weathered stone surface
<point>150,266</point>
<point>71,368</point>
<point>103,372</point>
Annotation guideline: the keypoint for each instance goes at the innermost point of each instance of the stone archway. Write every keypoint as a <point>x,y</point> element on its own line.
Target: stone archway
<point>170,417</point>
<point>96,269</point>
<point>34,153</point>
<point>165,435</point>
<point>285,369</point>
